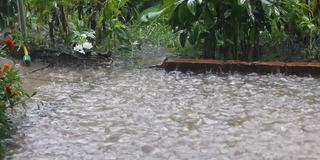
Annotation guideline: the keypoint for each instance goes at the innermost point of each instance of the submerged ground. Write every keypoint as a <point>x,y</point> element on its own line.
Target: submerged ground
<point>126,112</point>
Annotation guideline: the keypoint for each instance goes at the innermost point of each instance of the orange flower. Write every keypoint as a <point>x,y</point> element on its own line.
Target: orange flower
<point>10,43</point>
<point>7,66</point>
<point>2,74</point>
<point>8,89</point>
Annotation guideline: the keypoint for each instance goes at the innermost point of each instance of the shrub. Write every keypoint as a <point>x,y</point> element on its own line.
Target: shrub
<point>11,94</point>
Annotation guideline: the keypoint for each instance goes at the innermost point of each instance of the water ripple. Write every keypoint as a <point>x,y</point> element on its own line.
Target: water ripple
<point>151,114</point>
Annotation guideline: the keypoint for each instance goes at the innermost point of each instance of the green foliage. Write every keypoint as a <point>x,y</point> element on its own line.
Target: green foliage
<point>228,29</point>
<point>67,19</point>
<point>3,52</point>
<point>7,12</point>
<point>225,29</point>
<point>302,24</point>
<point>244,29</point>
<point>11,94</point>
<point>151,28</point>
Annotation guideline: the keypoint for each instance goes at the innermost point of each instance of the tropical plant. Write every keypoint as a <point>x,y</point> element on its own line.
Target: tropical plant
<point>66,19</point>
<point>302,24</point>
<point>228,29</point>
<point>82,41</point>
<point>151,28</point>
<point>7,12</point>
<point>225,29</point>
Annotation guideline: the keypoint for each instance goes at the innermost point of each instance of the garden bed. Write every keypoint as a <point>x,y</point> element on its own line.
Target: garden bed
<point>67,57</point>
<point>221,66</point>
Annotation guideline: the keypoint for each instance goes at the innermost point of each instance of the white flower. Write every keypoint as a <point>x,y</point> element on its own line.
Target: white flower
<point>84,35</point>
<point>79,48</point>
<point>82,51</point>
<point>87,45</point>
<point>91,34</point>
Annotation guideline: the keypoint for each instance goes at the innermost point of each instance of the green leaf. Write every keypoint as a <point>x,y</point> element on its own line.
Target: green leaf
<point>194,34</point>
<point>250,12</point>
<point>150,16</point>
<point>276,11</point>
<point>184,14</point>
<point>241,2</point>
<point>192,6</point>
<point>227,14</point>
<point>183,38</point>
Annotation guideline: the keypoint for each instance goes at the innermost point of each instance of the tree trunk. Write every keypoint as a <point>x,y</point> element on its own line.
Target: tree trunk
<point>63,19</point>
<point>93,22</point>
<point>51,32</point>
<point>209,46</point>
<point>80,8</point>
<point>22,19</point>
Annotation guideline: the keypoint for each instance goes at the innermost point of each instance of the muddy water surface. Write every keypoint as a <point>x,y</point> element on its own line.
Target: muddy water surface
<point>133,113</point>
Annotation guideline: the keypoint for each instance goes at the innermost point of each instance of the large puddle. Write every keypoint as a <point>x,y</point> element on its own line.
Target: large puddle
<point>132,113</point>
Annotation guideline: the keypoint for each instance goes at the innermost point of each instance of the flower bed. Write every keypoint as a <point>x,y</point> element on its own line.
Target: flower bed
<point>11,94</point>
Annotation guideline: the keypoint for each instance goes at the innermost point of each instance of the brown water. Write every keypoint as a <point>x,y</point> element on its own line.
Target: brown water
<point>132,113</point>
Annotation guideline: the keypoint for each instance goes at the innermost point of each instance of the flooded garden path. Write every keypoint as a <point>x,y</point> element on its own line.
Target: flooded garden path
<point>125,112</point>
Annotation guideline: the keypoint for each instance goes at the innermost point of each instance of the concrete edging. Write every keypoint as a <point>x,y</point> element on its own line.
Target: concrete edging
<point>221,66</point>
